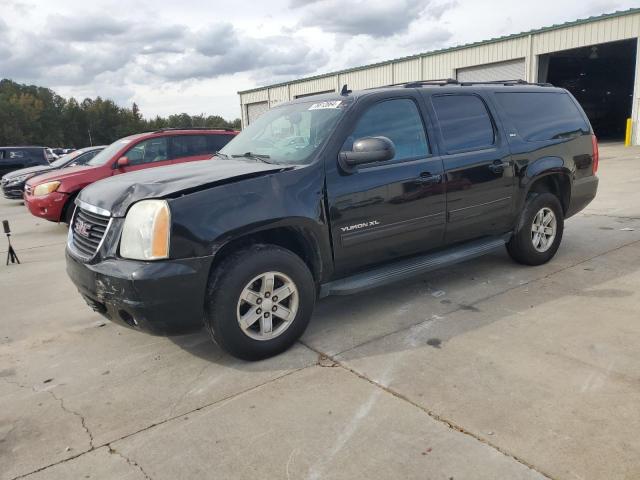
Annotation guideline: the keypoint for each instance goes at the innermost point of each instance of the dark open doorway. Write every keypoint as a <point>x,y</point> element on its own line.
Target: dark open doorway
<point>601,78</point>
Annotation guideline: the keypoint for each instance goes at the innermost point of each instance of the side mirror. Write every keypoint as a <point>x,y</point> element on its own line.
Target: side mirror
<point>369,150</point>
<point>122,162</point>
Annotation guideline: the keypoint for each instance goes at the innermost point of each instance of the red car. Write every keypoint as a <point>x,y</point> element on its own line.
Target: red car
<point>51,195</point>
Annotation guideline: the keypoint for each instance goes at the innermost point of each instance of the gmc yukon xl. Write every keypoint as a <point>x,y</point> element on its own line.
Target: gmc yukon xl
<point>331,195</point>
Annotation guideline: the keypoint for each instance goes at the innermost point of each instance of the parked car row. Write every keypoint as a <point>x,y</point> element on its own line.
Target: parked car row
<point>49,189</point>
<point>13,183</point>
<point>14,158</point>
<point>324,195</point>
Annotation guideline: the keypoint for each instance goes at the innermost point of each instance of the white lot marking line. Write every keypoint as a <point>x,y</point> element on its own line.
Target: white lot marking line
<point>317,469</point>
<point>596,379</point>
<point>293,453</point>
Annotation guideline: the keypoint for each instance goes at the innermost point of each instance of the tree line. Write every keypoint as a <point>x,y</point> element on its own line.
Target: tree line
<point>32,115</point>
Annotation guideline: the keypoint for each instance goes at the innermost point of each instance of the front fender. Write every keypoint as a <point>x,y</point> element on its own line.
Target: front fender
<point>205,220</point>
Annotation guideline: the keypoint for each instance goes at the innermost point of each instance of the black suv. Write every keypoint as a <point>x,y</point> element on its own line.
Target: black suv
<point>331,195</point>
<point>14,158</point>
<point>13,183</point>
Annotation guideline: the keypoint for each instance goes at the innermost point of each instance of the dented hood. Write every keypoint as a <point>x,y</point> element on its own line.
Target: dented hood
<point>116,194</point>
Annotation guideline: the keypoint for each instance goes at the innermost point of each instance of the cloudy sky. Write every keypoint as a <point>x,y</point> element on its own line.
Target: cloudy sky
<point>194,55</point>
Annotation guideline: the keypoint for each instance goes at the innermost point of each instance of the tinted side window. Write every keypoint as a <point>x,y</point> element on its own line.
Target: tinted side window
<point>17,154</point>
<point>543,115</point>
<point>151,150</point>
<point>464,122</point>
<point>216,142</point>
<point>85,157</point>
<point>189,145</point>
<point>398,120</point>
<point>35,153</point>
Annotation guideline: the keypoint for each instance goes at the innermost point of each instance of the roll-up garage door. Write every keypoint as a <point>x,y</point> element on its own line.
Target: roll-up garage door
<point>254,110</point>
<point>511,70</point>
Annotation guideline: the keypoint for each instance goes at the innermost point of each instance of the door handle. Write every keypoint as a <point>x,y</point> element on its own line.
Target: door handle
<point>427,179</point>
<point>498,166</point>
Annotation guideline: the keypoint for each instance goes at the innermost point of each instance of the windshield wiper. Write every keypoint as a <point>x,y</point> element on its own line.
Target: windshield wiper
<point>255,156</point>
<point>220,154</point>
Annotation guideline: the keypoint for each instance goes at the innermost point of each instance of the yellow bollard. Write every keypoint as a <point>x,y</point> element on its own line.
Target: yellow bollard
<point>627,135</point>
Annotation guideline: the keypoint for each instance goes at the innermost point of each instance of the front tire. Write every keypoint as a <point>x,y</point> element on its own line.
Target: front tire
<point>540,230</point>
<point>69,208</point>
<point>259,301</point>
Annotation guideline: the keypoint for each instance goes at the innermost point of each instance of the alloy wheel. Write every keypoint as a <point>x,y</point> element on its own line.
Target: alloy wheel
<point>543,229</point>
<point>267,306</point>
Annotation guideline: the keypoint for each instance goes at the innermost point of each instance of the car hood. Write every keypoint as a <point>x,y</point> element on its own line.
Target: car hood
<point>26,171</point>
<point>116,194</point>
<point>59,174</point>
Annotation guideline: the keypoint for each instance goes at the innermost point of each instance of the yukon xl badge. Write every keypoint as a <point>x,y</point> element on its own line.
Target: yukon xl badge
<point>82,228</point>
<point>358,226</point>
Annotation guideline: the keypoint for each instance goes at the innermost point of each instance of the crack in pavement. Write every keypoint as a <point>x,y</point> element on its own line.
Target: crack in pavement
<point>62,405</point>
<point>188,389</point>
<point>623,217</point>
<point>133,463</point>
<point>149,427</point>
<point>449,423</point>
<point>73,412</point>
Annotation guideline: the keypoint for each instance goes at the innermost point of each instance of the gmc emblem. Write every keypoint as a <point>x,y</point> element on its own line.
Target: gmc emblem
<point>82,228</point>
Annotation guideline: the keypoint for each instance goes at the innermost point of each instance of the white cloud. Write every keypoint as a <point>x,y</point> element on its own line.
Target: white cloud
<point>194,55</point>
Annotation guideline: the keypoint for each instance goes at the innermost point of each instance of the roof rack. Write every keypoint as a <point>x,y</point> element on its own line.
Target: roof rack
<point>452,81</point>
<point>169,129</point>
<point>420,83</point>
<point>517,81</point>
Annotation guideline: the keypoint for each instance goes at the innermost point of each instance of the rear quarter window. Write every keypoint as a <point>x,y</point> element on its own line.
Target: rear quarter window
<point>541,116</point>
<point>464,122</point>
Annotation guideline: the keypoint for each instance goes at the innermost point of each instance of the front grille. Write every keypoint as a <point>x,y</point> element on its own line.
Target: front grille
<point>88,229</point>
<point>11,192</point>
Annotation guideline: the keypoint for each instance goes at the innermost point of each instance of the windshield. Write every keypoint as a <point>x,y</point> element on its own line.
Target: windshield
<point>290,134</point>
<point>63,160</point>
<point>107,154</point>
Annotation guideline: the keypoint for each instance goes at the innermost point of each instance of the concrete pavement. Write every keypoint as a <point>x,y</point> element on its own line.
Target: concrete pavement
<point>485,370</point>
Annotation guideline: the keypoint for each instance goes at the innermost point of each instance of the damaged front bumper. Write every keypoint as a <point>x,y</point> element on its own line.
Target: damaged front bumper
<point>161,298</point>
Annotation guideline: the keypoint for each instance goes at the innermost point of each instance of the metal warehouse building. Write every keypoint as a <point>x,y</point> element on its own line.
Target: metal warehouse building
<point>594,58</point>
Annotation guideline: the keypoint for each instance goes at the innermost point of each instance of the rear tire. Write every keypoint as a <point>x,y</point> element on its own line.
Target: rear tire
<point>539,232</point>
<point>243,313</point>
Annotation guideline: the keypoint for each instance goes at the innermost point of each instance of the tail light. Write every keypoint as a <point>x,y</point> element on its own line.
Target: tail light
<point>595,154</point>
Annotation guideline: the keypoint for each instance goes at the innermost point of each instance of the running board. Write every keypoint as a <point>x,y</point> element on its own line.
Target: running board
<point>413,266</point>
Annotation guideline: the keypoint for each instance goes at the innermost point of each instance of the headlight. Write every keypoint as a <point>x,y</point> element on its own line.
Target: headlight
<point>46,188</point>
<point>145,235</point>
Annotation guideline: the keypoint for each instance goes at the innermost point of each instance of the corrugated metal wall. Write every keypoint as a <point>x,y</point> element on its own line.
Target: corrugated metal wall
<point>445,64</point>
<point>491,72</point>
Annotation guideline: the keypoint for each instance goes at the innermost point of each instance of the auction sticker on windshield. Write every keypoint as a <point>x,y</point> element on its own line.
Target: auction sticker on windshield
<point>328,104</point>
